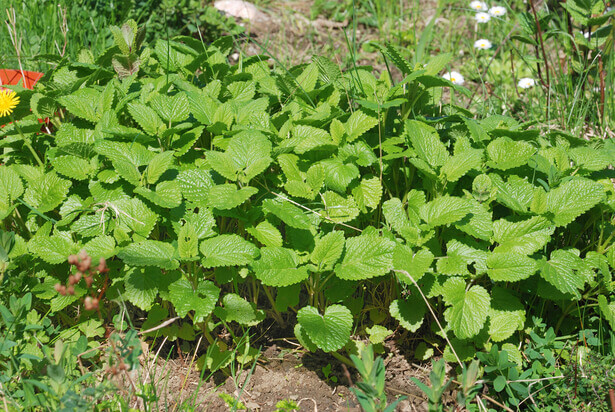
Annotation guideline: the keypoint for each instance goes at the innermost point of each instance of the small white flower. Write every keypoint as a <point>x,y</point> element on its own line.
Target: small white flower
<point>479,6</point>
<point>482,17</point>
<point>482,44</point>
<point>526,83</point>
<point>497,11</point>
<point>454,77</point>
<point>586,35</point>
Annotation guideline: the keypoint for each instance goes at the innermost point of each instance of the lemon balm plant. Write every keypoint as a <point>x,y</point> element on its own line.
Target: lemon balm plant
<point>231,196</point>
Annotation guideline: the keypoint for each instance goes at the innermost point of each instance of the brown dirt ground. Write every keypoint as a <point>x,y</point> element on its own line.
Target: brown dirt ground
<point>281,373</point>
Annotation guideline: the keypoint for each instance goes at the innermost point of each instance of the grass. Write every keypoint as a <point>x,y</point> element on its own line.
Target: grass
<point>49,30</point>
<point>571,101</point>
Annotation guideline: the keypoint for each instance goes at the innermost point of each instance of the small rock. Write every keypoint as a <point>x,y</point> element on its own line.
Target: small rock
<point>240,9</point>
<point>253,405</point>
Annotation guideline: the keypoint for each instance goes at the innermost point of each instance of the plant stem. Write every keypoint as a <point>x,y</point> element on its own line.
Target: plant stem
<point>276,313</point>
<point>342,359</point>
<point>27,142</point>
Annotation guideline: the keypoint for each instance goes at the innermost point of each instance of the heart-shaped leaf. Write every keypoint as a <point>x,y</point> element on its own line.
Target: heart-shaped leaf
<point>329,332</point>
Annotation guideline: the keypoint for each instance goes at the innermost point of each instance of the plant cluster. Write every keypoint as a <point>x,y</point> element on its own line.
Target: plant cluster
<point>331,203</point>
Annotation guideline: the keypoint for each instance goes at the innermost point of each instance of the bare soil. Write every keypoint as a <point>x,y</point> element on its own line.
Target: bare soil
<point>281,373</point>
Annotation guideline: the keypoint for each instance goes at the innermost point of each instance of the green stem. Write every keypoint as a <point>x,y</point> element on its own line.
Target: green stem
<point>342,359</point>
<point>276,313</point>
<point>27,142</point>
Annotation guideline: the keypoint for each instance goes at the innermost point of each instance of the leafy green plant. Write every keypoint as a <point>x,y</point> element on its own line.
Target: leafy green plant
<point>286,405</point>
<point>326,371</point>
<point>232,195</point>
<point>587,378</point>
<point>232,403</point>
<point>370,391</point>
<point>38,368</point>
<point>469,387</point>
<point>439,385</point>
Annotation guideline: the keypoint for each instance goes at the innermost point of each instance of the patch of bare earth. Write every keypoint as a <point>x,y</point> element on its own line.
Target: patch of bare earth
<point>281,373</point>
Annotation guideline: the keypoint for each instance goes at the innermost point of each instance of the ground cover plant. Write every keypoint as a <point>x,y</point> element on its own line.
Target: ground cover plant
<point>205,202</point>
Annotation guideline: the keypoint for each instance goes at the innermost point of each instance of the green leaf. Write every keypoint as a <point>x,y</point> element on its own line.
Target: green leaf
<point>607,310</point>
<point>366,256</point>
<point>510,267</point>
<point>573,198</point>
<point>499,383</point>
<point>416,264</point>
<point>445,210</point>
<point>561,271</point>
<point>11,188</point>
<point>242,91</point>
<point>227,250</point>
<point>203,221</point>
<point>168,194</point>
<point>515,194</point>
<point>478,223</point>
<point>523,237</point>
<point>83,103</point>
<point>73,167</point>
<point>409,312</point>
<point>158,165</point>
<point>146,118</point>
<point>188,242</point>
<point>126,158</point>
<point>331,331</point>
<point>267,234</point>
<point>288,213</point>
<point>134,215</point>
<point>142,286</point>
<point>53,249</point>
<point>247,155</point>
<point>100,247</point>
<point>149,253</point>
<point>237,309</point>
<point>458,165</point>
<point>359,153</point>
<point>171,108</point>
<point>426,142</point>
<point>277,266</point>
<point>308,78</point>
<point>69,135</point>
<point>469,309</point>
<point>339,175</point>
<point>589,158</point>
<point>358,123</point>
<point>378,334</point>
<point>306,138</point>
<point>195,184</point>
<point>397,218</point>
<point>47,193</point>
<point>506,315</point>
<point>328,250</point>
<point>304,339</point>
<point>227,196</point>
<point>339,209</point>
<point>506,153</point>
<point>368,193</point>
<point>201,300</point>
<point>287,297</point>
